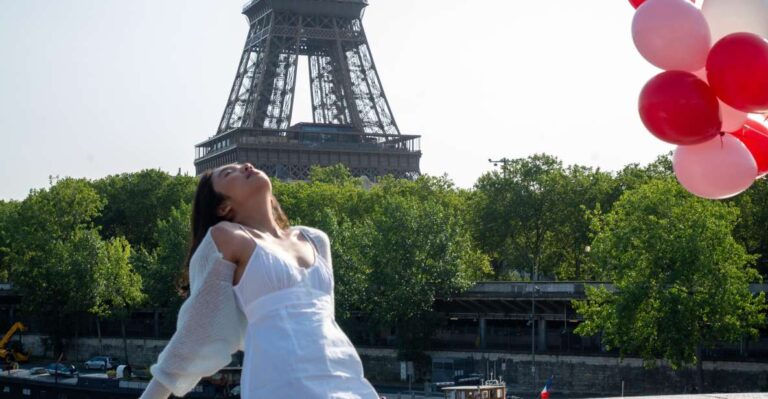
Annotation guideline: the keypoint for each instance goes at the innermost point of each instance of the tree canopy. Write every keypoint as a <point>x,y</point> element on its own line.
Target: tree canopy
<point>681,279</point>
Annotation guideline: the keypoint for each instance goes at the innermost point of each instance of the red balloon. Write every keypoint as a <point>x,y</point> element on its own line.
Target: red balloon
<point>638,3</point>
<point>679,108</point>
<point>755,136</point>
<point>737,70</point>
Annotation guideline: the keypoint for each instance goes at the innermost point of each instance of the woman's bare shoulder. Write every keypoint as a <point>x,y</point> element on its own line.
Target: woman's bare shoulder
<point>227,237</point>
<point>314,231</point>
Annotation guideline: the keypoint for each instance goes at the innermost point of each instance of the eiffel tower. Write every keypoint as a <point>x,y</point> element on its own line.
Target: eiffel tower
<point>352,122</point>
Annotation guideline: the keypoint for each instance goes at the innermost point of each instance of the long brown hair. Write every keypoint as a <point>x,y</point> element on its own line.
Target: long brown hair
<point>204,216</point>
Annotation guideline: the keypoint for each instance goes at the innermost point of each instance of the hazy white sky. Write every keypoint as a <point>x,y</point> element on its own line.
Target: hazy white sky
<point>90,88</point>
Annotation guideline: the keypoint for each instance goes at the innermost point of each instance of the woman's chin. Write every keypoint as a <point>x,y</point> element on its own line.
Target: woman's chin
<point>258,185</point>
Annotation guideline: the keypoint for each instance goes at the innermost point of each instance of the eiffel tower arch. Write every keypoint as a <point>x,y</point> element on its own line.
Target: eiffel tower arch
<point>352,122</point>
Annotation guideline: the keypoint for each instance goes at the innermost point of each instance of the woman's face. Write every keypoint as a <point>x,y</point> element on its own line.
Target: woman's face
<point>240,184</point>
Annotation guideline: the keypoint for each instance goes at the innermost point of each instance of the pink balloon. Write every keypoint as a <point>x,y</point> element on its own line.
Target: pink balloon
<point>719,168</point>
<point>733,119</point>
<point>672,34</point>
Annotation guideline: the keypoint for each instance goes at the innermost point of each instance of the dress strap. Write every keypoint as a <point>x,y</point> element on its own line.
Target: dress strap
<point>317,248</point>
<point>245,230</point>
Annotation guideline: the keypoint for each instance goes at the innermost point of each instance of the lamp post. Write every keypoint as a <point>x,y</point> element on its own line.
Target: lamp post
<point>587,249</point>
<point>533,324</point>
<point>504,162</point>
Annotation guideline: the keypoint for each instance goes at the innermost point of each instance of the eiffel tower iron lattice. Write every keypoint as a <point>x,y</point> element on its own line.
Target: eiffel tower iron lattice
<point>352,122</point>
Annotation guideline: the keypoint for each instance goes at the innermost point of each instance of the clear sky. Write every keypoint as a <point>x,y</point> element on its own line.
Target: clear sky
<point>90,88</point>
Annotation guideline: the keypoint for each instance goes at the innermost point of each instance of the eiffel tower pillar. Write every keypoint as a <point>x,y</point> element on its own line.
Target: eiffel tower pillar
<point>352,122</point>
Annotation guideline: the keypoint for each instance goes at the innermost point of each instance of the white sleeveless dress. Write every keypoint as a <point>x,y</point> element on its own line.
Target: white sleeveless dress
<point>293,346</point>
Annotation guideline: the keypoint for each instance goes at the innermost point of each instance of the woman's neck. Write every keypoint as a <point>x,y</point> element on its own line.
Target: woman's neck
<point>261,219</point>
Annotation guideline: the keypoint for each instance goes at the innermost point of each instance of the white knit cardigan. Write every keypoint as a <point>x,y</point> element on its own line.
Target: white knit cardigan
<point>210,325</point>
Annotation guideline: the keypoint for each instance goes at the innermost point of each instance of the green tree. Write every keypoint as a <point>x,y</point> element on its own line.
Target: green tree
<point>337,174</point>
<point>752,228</point>
<point>121,285</point>
<point>633,175</point>
<point>581,193</point>
<point>681,280</point>
<point>61,265</point>
<point>174,240</point>
<point>333,192</point>
<point>533,215</point>
<point>8,211</point>
<point>418,249</point>
<point>136,201</point>
<point>54,253</point>
<point>515,214</point>
<point>351,269</point>
<point>162,267</point>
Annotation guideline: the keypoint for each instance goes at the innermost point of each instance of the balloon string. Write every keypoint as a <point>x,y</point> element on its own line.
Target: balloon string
<point>747,127</point>
<point>722,142</point>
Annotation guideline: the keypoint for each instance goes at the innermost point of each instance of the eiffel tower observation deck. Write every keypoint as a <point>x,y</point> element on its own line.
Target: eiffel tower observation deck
<point>352,122</point>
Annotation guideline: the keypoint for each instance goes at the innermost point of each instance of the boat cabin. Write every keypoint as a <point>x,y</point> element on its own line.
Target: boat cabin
<point>485,391</point>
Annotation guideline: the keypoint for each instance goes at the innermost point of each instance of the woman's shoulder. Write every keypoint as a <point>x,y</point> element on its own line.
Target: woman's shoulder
<point>214,249</point>
<point>312,231</point>
<point>319,237</point>
<point>223,230</point>
<point>225,237</point>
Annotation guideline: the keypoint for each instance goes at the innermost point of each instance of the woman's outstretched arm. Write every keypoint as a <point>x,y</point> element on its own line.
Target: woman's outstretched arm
<point>209,328</point>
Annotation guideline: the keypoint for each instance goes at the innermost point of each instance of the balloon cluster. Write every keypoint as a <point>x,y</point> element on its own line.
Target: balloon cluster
<point>716,74</point>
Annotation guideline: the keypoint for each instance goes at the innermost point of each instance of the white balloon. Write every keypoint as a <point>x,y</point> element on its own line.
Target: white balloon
<point>731,16</point>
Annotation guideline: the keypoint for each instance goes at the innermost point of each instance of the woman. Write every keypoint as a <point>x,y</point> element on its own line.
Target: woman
<point>263,287</point>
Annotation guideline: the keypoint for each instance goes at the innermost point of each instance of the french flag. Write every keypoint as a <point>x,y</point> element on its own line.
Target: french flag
<point>545,391</point>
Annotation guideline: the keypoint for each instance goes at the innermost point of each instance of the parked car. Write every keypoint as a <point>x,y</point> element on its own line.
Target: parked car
<point>101,363</point>
<point>62,369</point>
<point>235,392</point>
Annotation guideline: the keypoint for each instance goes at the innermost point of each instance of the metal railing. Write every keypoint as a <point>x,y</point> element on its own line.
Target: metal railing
<point>333,140</point>
<point>574,288</point>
